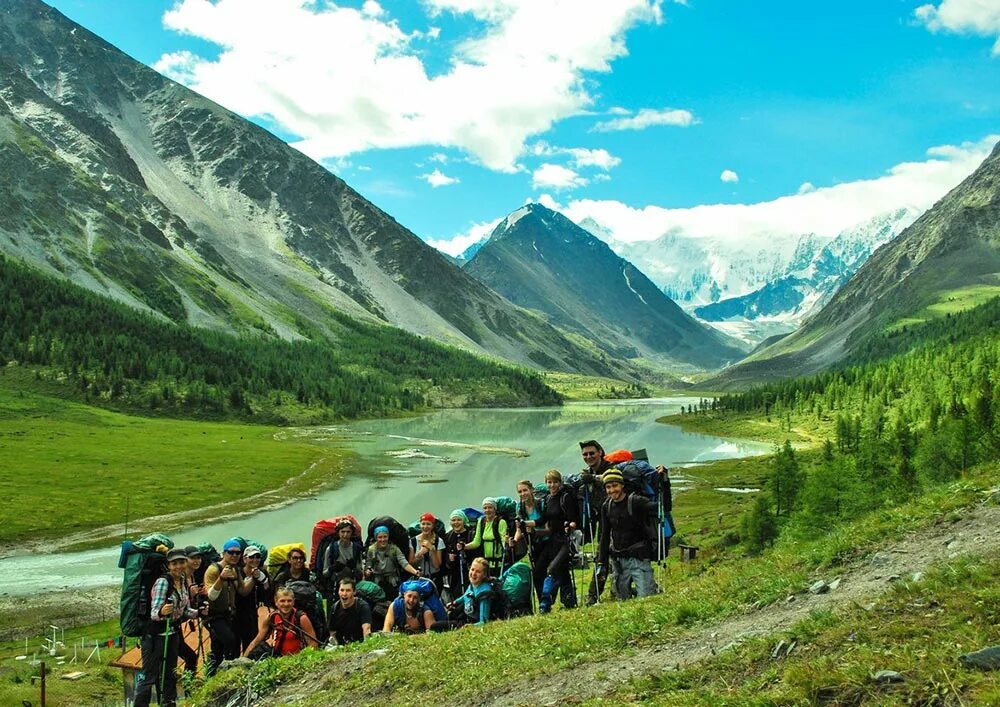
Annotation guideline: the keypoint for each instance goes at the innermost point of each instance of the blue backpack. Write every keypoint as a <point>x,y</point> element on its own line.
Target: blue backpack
<point>641,478</point>
<point>428,595</point>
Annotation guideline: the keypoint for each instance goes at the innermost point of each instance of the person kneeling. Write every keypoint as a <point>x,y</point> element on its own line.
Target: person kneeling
<point>473,607</point>
<point>290,630</point>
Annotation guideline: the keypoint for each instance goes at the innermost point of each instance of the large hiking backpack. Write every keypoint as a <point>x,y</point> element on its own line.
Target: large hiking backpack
<point>397,533</point>
<point>516,585</point>
<point>324,533</point>
<point>641,478</point>
<point>309,601</point>
<point>507,509</point>
<point>428,595</point>
<point>500,607</point>
<point>277,562</point>
<point>208,554</point>
<point>144,561</point>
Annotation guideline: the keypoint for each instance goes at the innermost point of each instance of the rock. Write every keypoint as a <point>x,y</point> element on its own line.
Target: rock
<point>985,659</point>
<point>779,650</point>
<point>835,584</point>
<point>893,578</point>
<point>790,599</point>
<point>819,587</point>
<point>916,576</point>
<point>881,559</point>
<point>949,541</point>
<point>952,546</point>
<point>886,677</point>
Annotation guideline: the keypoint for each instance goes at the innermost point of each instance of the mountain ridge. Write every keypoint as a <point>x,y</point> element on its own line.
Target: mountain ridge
<point>140,189</point>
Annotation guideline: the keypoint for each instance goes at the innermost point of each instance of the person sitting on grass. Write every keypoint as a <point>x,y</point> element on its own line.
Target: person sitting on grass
<point>473,607</point>
<point>408,614</point>
<point>350,617</point>
<point>282,632</point>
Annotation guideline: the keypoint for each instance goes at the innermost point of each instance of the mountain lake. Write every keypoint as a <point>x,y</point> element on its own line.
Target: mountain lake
<point>434,462</point>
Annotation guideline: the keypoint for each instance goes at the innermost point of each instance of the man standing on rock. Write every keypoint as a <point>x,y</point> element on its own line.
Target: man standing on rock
<point>628,529</point>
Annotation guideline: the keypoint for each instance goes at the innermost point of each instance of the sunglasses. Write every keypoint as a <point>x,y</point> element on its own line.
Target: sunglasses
<point>234,552</point>
<point>296,557</point>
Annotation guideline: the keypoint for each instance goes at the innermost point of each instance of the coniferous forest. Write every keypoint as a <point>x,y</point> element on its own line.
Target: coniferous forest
<point>112,354</point>
<point>919,406</point>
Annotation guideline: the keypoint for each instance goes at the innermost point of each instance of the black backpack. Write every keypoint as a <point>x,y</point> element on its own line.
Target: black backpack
<point>308,601</point>
<point>397,533</point>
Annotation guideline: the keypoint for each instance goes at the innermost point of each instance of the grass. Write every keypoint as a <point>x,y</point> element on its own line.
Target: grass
<point>802,432</point>
<point>919,629</point>
<point>949,302</point>
<point>504,655</point>
<point>576,386</point>
<point>100,684</point>
<point>84,465</point>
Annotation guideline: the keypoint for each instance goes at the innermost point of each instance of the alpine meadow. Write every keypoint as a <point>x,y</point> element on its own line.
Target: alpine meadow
<point>506,352</point>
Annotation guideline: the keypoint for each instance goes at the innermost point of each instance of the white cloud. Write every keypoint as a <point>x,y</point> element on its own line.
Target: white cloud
<point>439,157</point>
<point>648,117</point>
<point>438,179</point>
<point>980,17</point>
<point>825,211</point>
<point>556,177</point>
<point>456,245</point>
<point>547,201</point>
<point>806,187</point>
<point>579,156</point>
<point>348,80</point>
<point>729,176</point>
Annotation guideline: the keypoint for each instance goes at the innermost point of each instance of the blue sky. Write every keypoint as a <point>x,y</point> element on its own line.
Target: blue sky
<point>449,114</point>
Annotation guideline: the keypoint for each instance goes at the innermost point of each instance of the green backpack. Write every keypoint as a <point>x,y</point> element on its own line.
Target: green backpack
<point>144,561</point>
<point>516,584</point>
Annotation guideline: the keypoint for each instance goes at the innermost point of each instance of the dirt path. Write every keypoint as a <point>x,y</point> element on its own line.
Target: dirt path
<point>976,532</point>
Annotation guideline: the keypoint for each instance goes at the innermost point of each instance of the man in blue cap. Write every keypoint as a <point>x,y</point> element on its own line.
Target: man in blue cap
<point>224,580</point>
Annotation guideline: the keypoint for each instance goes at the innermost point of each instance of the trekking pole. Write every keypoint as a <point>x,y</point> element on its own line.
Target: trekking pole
<point>531,564</point>
<point>571,557</point>
<point>163,659</point>
<point>201,643</point>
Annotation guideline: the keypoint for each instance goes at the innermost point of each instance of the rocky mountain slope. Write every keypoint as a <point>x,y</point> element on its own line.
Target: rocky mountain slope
<point>947,260</point>
<point>541,260</point>
<point>138,188</point>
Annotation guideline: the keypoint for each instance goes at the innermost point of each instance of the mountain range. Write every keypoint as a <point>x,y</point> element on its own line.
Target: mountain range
<point>539,259</point>
<point>947,260</point>
<point>137,188</point>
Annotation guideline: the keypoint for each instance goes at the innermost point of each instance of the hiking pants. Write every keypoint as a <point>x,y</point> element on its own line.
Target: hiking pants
<point>225,644</point>
<point>629,570</point>
<point>152,668</point>
<point>189,655</point>
<point>555,557</point>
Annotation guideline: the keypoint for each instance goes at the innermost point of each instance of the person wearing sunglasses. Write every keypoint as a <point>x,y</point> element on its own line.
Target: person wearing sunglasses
<point>225,580</point>
<point>296,571</point>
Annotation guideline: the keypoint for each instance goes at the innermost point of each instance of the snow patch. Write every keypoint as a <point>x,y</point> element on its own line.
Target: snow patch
<point>629,283</point>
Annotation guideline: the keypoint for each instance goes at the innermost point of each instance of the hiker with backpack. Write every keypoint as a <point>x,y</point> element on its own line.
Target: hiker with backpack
<point>246,621</point>
<point>342,558</point>
<point>628,532</point>
<point>473,607</point>
<point>531,529</point>
<point>454,560</point>
<point>426,548</point>
<point>296,570</point>
<point>561,518</point>
<point>350,617</point>
<point>284,631</point>
<point>170,605</point>
<point>592,495</point>
<point>408,614</point>
<point>224,581</point>
<point>385,562</point>
<point>491,536</point>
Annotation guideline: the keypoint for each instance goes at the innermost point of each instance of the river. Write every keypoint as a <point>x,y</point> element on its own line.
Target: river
<point>434,462</point>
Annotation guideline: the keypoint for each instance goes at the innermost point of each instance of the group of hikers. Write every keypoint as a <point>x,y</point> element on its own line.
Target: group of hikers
<point>507,558</point>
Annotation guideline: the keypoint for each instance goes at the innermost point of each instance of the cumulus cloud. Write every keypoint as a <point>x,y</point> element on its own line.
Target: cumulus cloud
<point>456,245</point>
<point>438,179</point>
<point>825,211</point>
<point>647,118</point>
<point>579,156</point>
<point>729,176</point>
<point>980,17</point>
<point>554,176</point>
<point>347,80</point>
